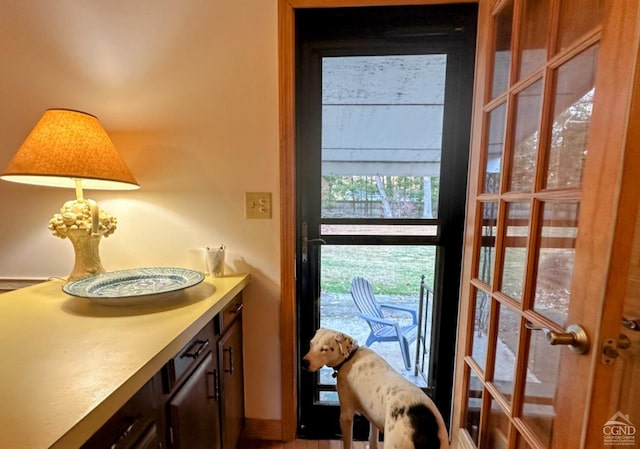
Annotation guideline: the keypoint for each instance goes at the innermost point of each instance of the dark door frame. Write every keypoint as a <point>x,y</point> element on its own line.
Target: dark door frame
<point>407,30</point>
<point>286,430</point>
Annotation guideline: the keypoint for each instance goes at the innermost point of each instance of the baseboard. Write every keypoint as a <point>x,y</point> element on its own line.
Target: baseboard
<point>262,429</point>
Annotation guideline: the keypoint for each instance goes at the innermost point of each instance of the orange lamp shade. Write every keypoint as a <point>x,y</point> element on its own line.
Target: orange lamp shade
<point>66,146</point>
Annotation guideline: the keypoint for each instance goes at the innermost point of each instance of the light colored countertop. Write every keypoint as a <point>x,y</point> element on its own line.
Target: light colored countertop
<point>68,365</point>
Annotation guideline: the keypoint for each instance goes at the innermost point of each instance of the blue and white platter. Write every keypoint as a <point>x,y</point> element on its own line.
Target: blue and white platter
<point>133,283</point>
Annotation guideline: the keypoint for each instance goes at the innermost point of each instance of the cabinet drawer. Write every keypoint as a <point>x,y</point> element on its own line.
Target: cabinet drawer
<point>181,365</point>
<point>132,423</point>
<point>229,314</point>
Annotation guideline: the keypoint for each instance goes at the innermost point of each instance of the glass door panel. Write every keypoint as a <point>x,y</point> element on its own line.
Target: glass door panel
<point>571,117</point>
<point>495,149</point>
<point>382,119</point>
<point>556,253</point>
<point>394,272</point>
<point>502,53</point>
<point>480,334</point>
<point>543,363</point>
<point>525,142</point>
<point>515,250</point>
<point>473,405</point>
<point>496,434</point>
<point>488,241</point>
<point>533,36</point>
<point>382,137</point>
<point>506,350</point>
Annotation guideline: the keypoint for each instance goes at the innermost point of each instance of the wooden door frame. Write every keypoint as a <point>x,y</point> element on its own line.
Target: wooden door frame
<point>286,75</point>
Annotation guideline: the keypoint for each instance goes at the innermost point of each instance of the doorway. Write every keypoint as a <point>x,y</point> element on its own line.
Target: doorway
<point>383,106</point>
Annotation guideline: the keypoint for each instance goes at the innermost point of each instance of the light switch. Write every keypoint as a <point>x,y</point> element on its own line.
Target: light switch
<point>257,204</point>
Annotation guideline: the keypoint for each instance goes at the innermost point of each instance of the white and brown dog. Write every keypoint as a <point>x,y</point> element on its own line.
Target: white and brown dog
<point>368,385</point>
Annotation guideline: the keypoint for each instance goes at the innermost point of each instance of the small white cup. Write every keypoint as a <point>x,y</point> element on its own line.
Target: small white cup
<point>215,261</point>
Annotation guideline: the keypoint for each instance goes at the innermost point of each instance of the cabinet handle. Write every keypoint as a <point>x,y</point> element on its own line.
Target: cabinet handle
<point>125,433</point>
<point>201,345</point>
<point>238,308</point>
<point>215,384</point>
<point>230,369</point>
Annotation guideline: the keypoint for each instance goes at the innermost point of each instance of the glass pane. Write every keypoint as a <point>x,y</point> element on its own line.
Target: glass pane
<point>358,229</point>
<point>515,249</point>
<point>329,396</point>
<point>394,272</point>
<point>382,122</point>
<point>481,328</point>
<point>525,148</point>
<point>488,242</point>
<point>506,350</point>
<point>533,36</point>
<point>495,148</point>
<point>543,362</point>
<point>497,434</point>
<point>578,17</point>
<point>502,56</point>
<point>571,117</point>
<point>325,377</point>
<point>474,405</point>
<point>555,260</point>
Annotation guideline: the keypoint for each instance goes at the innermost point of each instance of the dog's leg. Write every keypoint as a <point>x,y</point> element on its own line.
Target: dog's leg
<point>374,434</point>
<point>346,426</point>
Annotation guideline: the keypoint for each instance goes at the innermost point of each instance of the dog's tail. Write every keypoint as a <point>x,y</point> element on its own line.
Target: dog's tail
<point>425,427</point>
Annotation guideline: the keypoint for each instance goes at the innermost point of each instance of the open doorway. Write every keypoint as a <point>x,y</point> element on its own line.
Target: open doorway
<point>383,106</point>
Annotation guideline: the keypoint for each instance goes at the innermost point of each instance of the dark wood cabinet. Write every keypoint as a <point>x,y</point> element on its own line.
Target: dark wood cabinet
<point>195,402</point>
<point>231,383</point>
<point>194,412</point>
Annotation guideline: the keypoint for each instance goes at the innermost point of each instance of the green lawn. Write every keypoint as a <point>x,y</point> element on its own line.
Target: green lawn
<point>393,270</point>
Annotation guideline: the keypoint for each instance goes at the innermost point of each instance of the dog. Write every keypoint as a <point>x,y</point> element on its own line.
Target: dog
<point>368,385</point>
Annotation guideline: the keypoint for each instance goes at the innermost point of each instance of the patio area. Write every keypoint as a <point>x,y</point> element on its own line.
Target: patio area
<point>340,313</point>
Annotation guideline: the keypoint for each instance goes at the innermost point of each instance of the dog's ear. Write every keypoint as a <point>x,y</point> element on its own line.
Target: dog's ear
<point>345,343</point>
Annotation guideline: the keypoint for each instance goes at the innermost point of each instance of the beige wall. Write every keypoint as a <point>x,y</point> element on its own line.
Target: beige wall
<point>187,89</point>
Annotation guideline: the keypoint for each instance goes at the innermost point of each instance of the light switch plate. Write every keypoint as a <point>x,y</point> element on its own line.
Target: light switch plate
<point>257,204</point>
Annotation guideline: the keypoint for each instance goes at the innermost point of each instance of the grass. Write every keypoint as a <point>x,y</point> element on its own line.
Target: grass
<point>393,270</point>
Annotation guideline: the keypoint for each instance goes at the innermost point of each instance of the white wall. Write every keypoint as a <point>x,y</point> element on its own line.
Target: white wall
<point>187,89</point>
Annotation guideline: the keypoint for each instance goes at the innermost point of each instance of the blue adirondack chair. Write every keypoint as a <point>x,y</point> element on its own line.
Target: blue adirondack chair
<point>383,329</point>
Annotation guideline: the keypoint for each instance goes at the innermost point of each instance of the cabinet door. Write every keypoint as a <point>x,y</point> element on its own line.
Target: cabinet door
<point>194,410</point>
<point>232,384</point>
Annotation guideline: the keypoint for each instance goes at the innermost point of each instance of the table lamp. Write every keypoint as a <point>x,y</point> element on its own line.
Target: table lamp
<point>71,149</point>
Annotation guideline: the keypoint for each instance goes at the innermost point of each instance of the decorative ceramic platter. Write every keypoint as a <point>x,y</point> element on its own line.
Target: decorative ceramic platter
<point>134,283</point>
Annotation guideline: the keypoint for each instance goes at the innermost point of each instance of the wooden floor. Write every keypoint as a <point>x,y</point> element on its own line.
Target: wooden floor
<point>301,444</point>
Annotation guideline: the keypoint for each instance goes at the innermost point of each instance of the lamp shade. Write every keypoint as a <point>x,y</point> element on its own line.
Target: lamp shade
<point>66,146</point>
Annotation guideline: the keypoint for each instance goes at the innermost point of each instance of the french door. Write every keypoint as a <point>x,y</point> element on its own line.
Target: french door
<point>383,118</point>
<point>547,207</point>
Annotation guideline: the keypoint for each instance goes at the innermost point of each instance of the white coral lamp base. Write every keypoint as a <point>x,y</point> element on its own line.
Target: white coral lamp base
<point>84,224</point>
<point>86,247</point>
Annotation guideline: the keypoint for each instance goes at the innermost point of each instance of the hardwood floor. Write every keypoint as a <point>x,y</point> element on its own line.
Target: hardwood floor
<point>300,444</point>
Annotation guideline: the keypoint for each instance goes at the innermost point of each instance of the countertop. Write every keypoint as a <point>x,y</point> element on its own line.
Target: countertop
<point>68,364</point>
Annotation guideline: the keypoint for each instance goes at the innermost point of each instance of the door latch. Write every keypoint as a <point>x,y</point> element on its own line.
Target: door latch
<point>610,348</point>
<point>306,241</point>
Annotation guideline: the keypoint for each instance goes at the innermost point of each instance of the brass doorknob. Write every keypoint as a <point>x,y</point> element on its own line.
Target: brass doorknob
<point>575,337</point>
